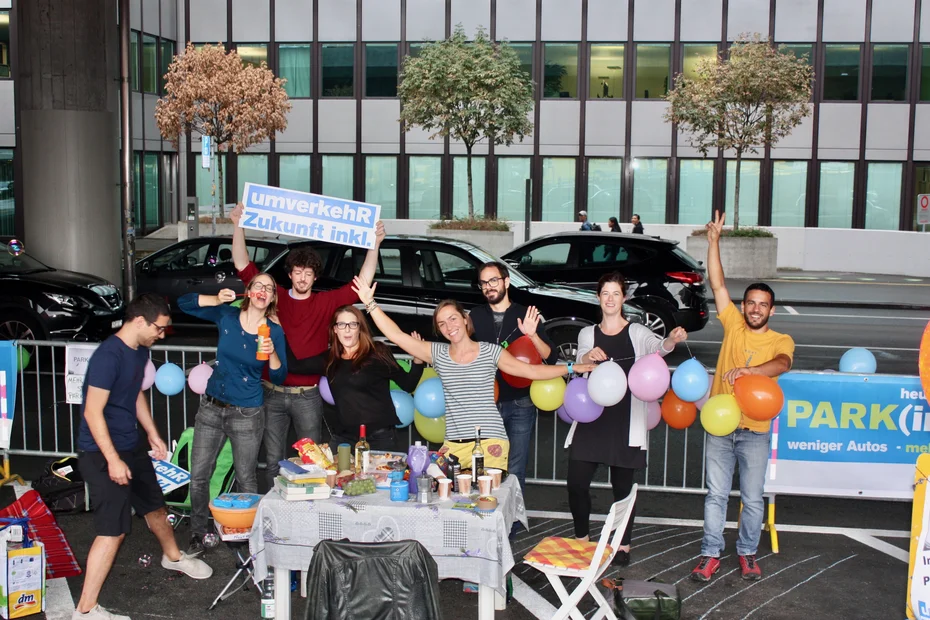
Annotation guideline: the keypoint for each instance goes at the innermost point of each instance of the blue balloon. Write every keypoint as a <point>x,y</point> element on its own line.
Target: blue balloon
<point>858,360</point>
<point>690,381</point>
<point>429,399</point>
<point>169,379</point>
<point>403,405</point>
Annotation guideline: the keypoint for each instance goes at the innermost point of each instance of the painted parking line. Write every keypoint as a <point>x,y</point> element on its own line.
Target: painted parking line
<point>791,310</point>
<point>847,316</point>
<point>822,346</point>
<point>798,585</point>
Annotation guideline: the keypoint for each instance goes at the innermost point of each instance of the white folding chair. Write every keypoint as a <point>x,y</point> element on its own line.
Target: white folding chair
<point>558,557</point>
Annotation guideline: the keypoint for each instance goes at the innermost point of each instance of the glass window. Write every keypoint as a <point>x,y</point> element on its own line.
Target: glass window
<point>889,72</point>
<point>425,184</point>
<point>558,189</point>
<point>182,257</point>
<point>204,183</point>
<point>381,69</point>
<point>798,50</point>
<point>137,187</point>
<point>606,71</point>
<point>338,67</point>
<point>695,191</point>
<point>294,172</point>
<point>149,64</point>
<point>649,189</point>
<point>294,66</point>
<point>835,207</point>
<point>460,185</point>
<point>250,169</point>
<point>883,197</point>
<point>133,60</point>
<point>693,53</point>
<point>604,178</point>
<point>652,70</point>
<point>921,181</point>
<point>512,174</point>
<point>253,54</point>
<point>167,55</point>
<point>925,73</point>
<point>545,255</point>
<point>381,184</point>
<point>5,71</point>
<point>338,176</point>
<point>415,49</point>
<point>560,78</point>
<point>455,269</point>
<point>748,191</point>
<point>841,73</point>
<point>152,201</point>
<point>525,54</point>
<point>789,192</point>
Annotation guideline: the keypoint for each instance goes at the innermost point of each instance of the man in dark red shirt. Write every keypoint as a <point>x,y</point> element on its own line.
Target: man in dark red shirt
<point>305,317</point>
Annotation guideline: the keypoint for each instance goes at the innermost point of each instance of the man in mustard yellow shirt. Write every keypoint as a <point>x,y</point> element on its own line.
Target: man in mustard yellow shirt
<point>749,347</point>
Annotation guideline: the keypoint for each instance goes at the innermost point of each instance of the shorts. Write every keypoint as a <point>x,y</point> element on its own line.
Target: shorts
<point>496,452</point>
<point>113,503</point>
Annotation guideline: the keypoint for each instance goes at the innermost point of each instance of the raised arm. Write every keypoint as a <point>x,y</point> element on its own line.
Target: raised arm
<point>239,250</point>
<point>420,349</point>
<point>532,328</point>
<point>537,372</point>
<point>367,272</point>
<point>208,307</point>
<point>714,266</point>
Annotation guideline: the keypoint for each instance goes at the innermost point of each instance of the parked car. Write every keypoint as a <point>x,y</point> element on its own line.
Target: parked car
<point>38,302</point>
<point>414,273</point>
<point>200,265</point>
<point>665,282</point>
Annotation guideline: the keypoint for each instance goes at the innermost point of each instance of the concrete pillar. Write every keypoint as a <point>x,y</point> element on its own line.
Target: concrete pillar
<point>69,133</point>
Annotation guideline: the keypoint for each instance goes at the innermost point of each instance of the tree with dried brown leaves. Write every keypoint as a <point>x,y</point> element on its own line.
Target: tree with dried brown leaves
<point>751,99</point>
<point>212,92</point>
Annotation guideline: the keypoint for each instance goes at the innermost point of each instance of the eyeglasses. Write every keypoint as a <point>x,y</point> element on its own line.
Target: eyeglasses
<point>353,325</point>
<point>493,282</point>
<point>258,286</point>
<point>161,328</point>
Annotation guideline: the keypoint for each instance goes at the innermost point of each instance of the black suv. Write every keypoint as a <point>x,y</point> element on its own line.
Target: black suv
<point>416,272</point>
<point>665,282</point>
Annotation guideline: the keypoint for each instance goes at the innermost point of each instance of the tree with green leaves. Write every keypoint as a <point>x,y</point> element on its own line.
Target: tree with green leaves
<point>469,91</point>
<point>747,101</point>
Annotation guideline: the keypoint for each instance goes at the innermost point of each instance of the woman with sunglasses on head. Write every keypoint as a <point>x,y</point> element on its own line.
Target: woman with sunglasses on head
<point>232,404</point>
<point>467,369</point>
<point>359,372</point>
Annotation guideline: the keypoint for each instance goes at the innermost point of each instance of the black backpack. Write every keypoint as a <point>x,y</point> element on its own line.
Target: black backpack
<point>61,485</point>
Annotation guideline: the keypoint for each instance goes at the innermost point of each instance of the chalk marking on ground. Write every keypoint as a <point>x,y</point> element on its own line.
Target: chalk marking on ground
<point>754,584</point>
<point>716,580</point>
<point>811,578</point>
<point>531,600</point>
<point>664,538</point>
<point>651,577</point>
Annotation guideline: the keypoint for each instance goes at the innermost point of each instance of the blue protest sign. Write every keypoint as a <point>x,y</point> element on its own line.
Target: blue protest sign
<point>170,476</point>
<point>311,216</point>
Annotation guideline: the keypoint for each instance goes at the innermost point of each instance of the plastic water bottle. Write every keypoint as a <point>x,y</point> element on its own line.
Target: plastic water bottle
<point>268,597</point>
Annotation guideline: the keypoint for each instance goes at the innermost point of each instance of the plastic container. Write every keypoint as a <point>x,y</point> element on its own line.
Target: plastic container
<point>235,510</point>
<point>264,332</point>
<point>399,491</point>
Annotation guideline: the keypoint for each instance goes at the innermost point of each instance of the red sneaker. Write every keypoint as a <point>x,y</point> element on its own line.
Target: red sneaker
<point>749,568</point>
<point>705,568</point>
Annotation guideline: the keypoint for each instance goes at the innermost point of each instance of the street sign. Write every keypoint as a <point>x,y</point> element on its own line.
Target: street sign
<point>205,152</point>
<point>923,208</point>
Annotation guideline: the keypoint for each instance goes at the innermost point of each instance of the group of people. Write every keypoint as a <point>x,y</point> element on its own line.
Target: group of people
<point>612,223</point>
<point>253,399</point>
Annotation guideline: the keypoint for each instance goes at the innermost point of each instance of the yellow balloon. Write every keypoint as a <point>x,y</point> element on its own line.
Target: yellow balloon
<point>428,373</point>
<point>720,415</point>
<point>548,394</point>
<point>430,429</point>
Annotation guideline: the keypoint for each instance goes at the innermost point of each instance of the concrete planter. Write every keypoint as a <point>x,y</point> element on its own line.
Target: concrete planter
<point>495,243</point>
<point>746,258</point>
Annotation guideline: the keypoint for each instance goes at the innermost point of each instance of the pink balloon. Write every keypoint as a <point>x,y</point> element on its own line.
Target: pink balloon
<point>653,414</point>
<point>700,402</point>
<point>649,378</point>
<point>148,379</point>
<point>325,392</point>
<point>197,380</point>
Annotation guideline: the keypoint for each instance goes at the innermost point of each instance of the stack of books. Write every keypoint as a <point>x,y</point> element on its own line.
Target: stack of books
<point>299,482</point>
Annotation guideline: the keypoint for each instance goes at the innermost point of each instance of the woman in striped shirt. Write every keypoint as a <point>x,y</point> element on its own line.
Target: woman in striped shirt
<point>467,370</point>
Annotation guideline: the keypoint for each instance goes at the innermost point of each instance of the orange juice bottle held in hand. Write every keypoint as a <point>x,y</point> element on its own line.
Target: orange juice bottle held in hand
<point>264,331</point>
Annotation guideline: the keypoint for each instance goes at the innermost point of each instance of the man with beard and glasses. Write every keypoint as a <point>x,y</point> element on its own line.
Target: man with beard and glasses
<point>501,322</point>
<point>305,316</point>
<point>749,347</point>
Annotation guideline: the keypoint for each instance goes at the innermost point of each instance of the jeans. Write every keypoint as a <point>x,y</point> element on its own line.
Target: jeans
<point>213,424</point>
<point>304,409</point>
<point>751,451</point>
<point>519,417</point>
<point>578,481</point>
<point>384,439</point>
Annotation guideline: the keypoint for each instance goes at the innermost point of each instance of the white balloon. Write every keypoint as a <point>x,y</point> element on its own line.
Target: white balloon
<point>607,384</point>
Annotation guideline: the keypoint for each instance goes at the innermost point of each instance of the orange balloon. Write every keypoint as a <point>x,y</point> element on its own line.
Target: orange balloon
<point>677,413</point>
<point>923,362</point>
<point>497,391</point>
<point>759,397</point>
<point>524,350</point>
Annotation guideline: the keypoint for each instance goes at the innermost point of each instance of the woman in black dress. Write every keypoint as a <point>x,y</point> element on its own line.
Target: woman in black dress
<point>618,438</point>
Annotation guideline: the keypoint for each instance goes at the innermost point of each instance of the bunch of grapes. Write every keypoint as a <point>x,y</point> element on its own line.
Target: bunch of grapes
<point>359,486</point>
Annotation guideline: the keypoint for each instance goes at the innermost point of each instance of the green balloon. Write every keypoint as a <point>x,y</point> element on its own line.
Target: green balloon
<point>405,364</point>
<point>394,386</point>
<point>24,358</point>
<point>237,303</point>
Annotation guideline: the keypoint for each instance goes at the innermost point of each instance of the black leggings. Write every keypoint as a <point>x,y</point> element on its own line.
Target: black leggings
<point>580,475</point>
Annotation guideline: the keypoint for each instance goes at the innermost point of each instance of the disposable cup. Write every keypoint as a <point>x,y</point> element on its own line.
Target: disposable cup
<point>464,483</point>
<point>484,485</point>
<point>496,475</point>
<point>445,488</point>
<point>331,477</point>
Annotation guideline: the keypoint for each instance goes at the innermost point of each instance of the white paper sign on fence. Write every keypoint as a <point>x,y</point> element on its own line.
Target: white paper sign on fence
<point>77,356</point>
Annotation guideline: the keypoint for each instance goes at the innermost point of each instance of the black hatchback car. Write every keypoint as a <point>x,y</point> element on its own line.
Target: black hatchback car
<point>38,302</point>
<point>414,273</point>
<point>664,281</point>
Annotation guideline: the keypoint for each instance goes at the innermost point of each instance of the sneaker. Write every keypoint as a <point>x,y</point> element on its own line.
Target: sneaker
<point>705,568</point>
<point>195,547</point>
<point>97,613</point>
<point>194,568</point>
<point>749,568</point>
<point>621,558</point>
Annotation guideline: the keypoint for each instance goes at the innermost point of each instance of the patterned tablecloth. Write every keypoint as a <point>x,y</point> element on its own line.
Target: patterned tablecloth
<point>466,545</point>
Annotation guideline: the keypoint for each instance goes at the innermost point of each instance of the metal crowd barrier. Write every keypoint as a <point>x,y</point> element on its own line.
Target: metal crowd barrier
<point>45,425</point>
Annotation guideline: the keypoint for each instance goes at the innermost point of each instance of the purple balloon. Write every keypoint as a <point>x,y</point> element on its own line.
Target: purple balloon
<point>578,404</point>
<point>325,392</point>
<point>700,402</point>
<point>653,414</point>
<point>649,378</point>
<point>563,415</point>
<point>148,379</point>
